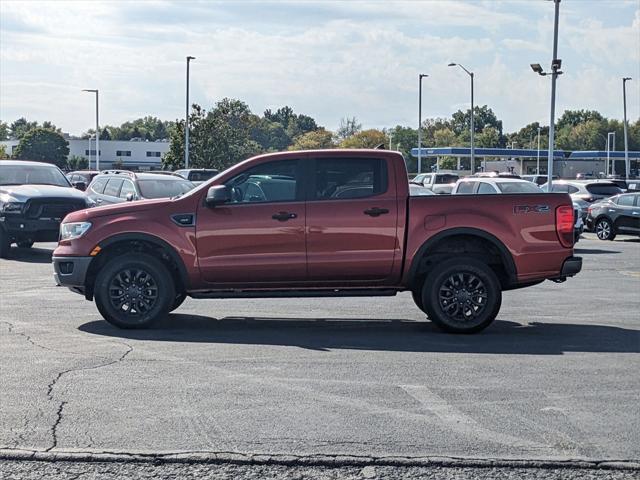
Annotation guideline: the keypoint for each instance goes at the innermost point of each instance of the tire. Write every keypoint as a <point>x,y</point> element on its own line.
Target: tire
<point>478,304</point>
<point>179,300</point>
<point>134,291</point>
<point>25,244</point>
<point>5,244</point>
<point>416,294</point>
<point>604,229</point>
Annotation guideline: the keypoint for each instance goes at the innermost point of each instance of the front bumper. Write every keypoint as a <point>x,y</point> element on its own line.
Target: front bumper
<point>71,272</point>
<point>38,230</point>
<point>571,267</point>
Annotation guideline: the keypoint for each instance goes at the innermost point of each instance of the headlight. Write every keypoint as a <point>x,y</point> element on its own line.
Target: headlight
<point>69,231</point>
<point>12,207</point>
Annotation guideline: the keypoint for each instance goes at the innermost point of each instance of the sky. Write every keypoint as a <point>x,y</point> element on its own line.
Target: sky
<point>329,59</point>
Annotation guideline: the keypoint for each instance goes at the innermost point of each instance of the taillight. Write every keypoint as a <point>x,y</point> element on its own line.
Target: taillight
<point>564,225</point>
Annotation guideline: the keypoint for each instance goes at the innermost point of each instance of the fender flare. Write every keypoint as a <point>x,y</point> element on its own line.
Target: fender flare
<point>173,254</point>
<point>505,255</point>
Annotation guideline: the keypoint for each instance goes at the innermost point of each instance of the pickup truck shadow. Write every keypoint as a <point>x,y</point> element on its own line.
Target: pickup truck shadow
<point>30,255</point>
<point>324,334</point>
<point>593,251</point>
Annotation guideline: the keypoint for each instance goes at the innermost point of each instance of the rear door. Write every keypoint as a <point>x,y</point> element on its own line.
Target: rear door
<point>627,213</point>
<point>351,220</point>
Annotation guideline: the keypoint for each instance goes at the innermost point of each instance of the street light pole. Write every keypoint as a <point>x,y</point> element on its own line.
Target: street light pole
<point>97,131</point>
<point>538,157</point>
<point>420,77</point>
<point>556,64</point>
<point>186,120</point>
<point>627,165</point>
<point>473,153</point>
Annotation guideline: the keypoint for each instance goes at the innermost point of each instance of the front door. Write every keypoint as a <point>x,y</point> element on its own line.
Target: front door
<point>258,239</point>
<point>351,221</point>
<point>628,213</point>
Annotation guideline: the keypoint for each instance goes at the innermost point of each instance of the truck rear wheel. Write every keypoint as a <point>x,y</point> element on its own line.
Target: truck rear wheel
<point>134,291</point>
<point>462,295</point>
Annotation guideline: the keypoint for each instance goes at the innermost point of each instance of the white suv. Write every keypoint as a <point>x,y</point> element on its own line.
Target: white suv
<point>493,186</point>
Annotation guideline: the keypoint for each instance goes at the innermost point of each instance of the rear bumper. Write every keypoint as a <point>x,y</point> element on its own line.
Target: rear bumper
<point>71,272</point>
<point>571,267</point>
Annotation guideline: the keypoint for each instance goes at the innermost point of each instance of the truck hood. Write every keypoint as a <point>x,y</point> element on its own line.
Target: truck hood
<point>118,209</point>
<point>22,193</point>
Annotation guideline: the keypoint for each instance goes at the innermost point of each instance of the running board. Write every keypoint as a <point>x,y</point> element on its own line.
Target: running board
<point>332,292</point>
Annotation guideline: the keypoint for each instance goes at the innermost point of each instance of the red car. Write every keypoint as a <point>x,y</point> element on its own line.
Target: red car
<point>316,223</point>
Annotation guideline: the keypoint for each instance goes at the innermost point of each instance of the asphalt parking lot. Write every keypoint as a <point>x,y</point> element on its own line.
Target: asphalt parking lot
<point>555,378</point>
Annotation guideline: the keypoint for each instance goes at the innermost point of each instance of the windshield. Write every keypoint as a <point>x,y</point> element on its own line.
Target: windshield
<point>163,188</point>
<point>32,175</point>
<point>518,187</point>
<point>604,189</point>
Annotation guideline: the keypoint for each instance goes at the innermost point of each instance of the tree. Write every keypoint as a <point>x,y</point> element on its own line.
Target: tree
<point>3,151</point>
<point>449,163</point>
<point>44,145</point>
<point>488,138</point>
<point>104,134</point>
<point>21,126</point>
<point>271,136</point>
<point>444,137</point>
<point>318,139</point>
<point>349,126</point>
<point>573,118</point>
<point>118,164</point>
<point>527,136</point>
<point>74,162</point>
<point>217,139</point>
<point>4,131</point>
<point>365,139</point>
<point>483,117</point>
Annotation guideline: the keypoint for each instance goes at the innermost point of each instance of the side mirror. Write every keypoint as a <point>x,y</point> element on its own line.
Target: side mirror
<point>130,197</point>
<point>80,185</point>
<point>217,195</point>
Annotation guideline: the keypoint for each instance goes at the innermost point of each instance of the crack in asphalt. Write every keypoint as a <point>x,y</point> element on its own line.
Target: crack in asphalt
<point>28,338</point>
<point>54,382</point>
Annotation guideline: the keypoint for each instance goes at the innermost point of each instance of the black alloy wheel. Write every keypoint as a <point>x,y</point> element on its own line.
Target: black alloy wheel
<point>134,290</point>
<point>462,295</point>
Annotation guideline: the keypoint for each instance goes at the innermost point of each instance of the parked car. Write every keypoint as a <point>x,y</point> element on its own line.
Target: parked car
<point>493,185</point>
<point>615,215</point>
<point>81,179</point>
<point>456,254</point>
<point>117,186</point>
<point>585,192</point>
<point>197,175</point>
<point>440,183</point>
<point>419,191</point>
<point>34,198</point>
<point>538,179</point>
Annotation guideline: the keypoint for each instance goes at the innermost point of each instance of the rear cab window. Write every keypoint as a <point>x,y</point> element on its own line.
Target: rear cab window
<point>466,188</point>
<point>343,178</point>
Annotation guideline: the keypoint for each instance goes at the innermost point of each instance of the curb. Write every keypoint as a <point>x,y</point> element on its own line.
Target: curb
<point>62,455</point>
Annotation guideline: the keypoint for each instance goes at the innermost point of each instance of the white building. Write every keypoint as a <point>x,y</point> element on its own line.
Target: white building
<point>134,155</point>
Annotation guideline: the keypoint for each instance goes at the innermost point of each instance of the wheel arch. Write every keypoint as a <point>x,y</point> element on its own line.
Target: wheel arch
<point>142,242</point>
<point>469,240</point>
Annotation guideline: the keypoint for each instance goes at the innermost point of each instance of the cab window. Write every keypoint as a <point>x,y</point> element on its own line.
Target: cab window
<point>268,182</point>
<point>342,178</point>
<point>98,185</point>
<point>485,188</point>
<point>127,188</point>
<point>113,187</point>
<point>466,187</point>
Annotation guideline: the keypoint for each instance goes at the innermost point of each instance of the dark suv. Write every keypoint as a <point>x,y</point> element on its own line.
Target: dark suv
<point>197,175</point>
<point>81,179</point>
<point>615,215</point>
<point>34,198</point>
<point>117,186</point>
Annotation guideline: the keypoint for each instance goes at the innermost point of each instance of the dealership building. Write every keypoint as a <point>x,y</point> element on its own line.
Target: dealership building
<point>133,154</point>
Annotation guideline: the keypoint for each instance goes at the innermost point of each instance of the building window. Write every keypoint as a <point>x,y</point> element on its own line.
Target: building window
<point>123,153</point>
<point>154,154</point>
<point>93,152</point>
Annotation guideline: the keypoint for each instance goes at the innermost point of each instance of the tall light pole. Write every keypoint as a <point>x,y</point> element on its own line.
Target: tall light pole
<point>611,147</point>
<point>538,157</point>
<point>420,77</point>
<point>473,152</point>
<point>186,120</point>
<point>556,64</point>
<point>97,131</point>
<point>627,165</point>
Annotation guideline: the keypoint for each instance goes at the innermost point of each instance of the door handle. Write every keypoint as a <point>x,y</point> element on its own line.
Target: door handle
<point>283,216</point>
<point>376,212</point>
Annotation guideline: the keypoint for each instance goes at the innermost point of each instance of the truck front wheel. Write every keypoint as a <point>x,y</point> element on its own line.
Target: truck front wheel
<point>462,295</point>
<point>134,290</point>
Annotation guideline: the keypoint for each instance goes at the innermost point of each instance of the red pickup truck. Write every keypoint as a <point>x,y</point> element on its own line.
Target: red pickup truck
<point>316,223</point>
